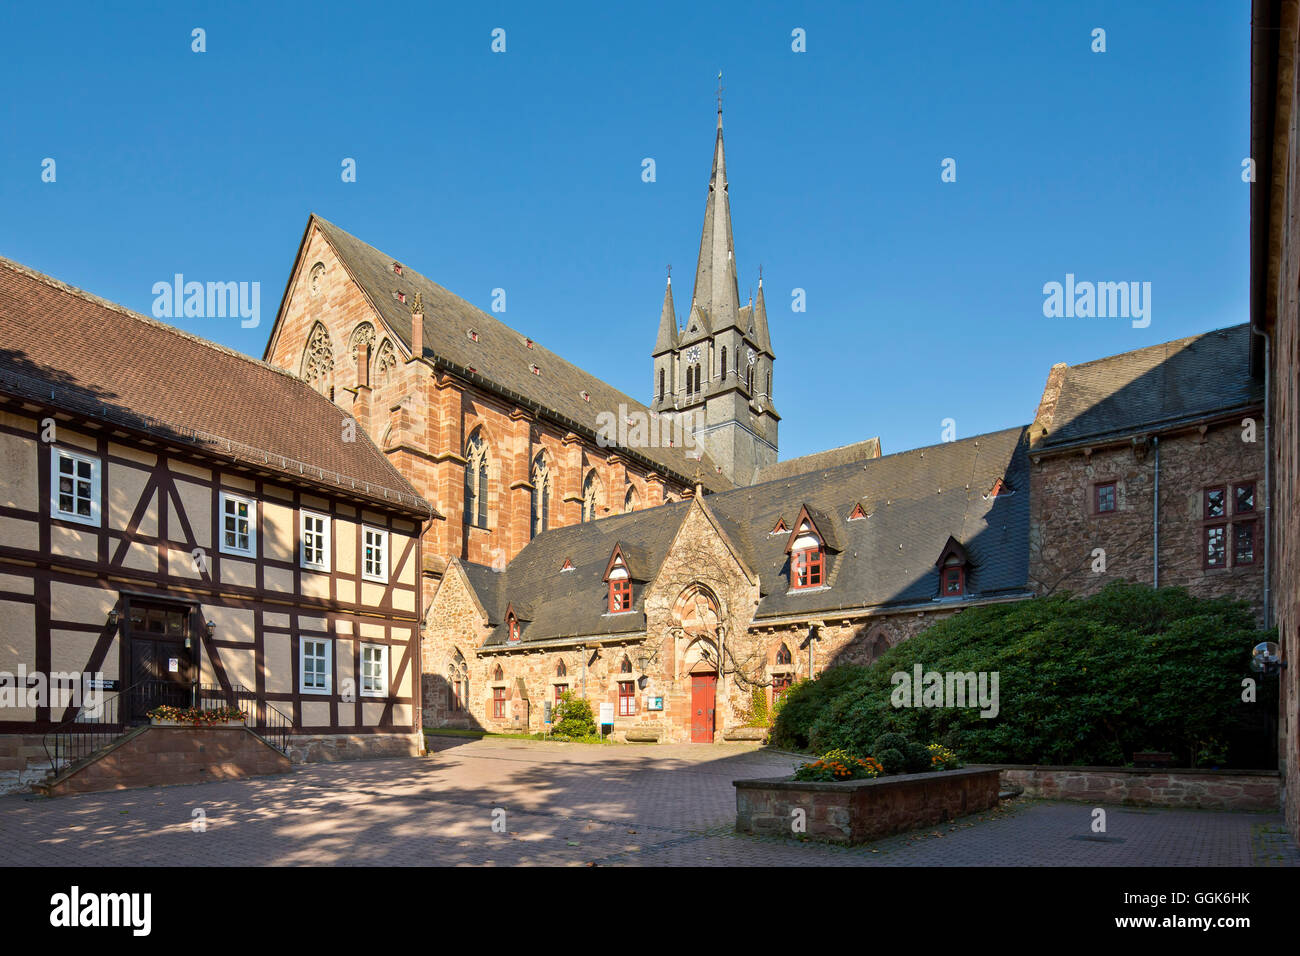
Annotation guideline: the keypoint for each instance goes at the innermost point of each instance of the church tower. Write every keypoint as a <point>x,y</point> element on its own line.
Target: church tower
<point>716,372</point>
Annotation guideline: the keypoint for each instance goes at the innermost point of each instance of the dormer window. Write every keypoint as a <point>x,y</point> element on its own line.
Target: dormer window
<point>619,578</point>
<point>397,269</point>
<point>806,563</point>
<point>954,580</point>
<point>953,564</point>
<point>473,335</point>
<point>858,512</point>
<point>620,591</point>
<point>780,527</point>
<point>814,534</point>
<point>512,629</point>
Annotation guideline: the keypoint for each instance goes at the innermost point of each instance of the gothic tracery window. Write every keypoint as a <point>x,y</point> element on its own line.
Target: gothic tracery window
<point>540,518</point>
<point>590,497</point>
<point>457,682</point>
<point>364,334</point>
<point>318,360</point>
<point>631,501</point>
<point>385,361</point>
<point>316,283</point>
<point>476,480</point>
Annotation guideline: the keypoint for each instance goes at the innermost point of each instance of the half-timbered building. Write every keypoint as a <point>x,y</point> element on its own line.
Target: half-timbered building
<point>180,524</point>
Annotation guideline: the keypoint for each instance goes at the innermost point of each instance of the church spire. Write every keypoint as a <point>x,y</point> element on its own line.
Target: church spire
<point>667,340</point>
<point>760,319</point>
<point>717,294</point>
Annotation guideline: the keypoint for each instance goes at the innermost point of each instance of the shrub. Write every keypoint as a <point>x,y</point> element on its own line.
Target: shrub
<point>892,760</point>
<point>758,713</point>
<point>1084,681</point>
<point>573,719</point>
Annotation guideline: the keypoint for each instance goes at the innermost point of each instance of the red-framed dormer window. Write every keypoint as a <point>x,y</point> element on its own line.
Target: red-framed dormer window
<point>620,595</point>
<point>806,567</point>
<point>512,629</point>
<point>954,580</point>
<point>1105,499</point>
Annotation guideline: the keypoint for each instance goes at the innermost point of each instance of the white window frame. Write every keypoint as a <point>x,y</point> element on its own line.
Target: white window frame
<point>251,552</point>
<point>326,536</point>
<point>302,665</point>
<point>383,664</point>
<point>382,576</point>
<point>58,452</point>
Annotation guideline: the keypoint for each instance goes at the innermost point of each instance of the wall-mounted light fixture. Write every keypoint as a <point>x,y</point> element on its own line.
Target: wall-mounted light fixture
<point>113,618</point>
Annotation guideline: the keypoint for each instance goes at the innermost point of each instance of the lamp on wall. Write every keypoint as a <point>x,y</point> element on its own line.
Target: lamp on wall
<point>113,618</point>
<point>212,627</point>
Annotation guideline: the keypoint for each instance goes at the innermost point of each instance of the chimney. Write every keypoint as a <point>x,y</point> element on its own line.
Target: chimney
<point>417,326</point>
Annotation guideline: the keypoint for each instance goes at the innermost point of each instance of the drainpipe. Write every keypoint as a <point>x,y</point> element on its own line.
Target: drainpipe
<point>1268,463</point>
<point>1155,520</point>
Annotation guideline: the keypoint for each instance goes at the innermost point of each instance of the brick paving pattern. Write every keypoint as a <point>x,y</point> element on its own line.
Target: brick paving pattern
<point>569,804</point>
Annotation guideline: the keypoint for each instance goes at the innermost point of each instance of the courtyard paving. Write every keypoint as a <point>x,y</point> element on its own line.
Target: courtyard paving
<point>570,804</point>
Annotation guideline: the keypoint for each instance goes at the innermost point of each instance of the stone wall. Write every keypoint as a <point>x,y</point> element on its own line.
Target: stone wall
<point>23,762</point>
<point>327,748</point>
<point>1065,529</point>
<point>162,756</point>
<point>1257,790</point>
<point>856,811</point>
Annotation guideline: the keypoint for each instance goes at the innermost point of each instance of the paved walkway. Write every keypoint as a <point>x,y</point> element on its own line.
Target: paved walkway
<point>569,804</point>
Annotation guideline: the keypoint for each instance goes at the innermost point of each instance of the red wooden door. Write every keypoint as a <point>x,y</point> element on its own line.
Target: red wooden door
<point>702,691</point>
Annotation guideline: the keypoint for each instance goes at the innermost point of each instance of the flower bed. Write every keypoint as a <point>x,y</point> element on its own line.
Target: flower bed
<point>850,798</point>
<point>856,811</point>
<point>165,716</point>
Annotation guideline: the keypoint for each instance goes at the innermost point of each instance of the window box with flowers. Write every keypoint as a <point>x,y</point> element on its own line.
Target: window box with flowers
<point>165,716</point>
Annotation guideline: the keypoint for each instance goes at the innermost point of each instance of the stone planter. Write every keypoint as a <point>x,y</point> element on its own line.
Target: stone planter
<point>155,722</point>
<point>856,811</point>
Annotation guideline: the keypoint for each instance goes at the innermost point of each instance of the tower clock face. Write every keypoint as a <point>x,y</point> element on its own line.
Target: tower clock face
<point>693,354</point>
<point>750,357</point>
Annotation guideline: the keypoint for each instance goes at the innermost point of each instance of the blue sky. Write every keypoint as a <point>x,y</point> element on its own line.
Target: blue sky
<point>522,171</point>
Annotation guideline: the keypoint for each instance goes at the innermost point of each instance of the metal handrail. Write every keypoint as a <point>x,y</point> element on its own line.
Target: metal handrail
<point>89,731</point>
<point>262,716</point>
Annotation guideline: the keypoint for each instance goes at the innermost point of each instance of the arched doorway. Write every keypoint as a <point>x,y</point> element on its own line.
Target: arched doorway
<point>697,614</point>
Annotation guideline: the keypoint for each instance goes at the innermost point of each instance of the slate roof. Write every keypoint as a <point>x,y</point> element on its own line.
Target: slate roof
<point>501,357</point>
<point>916,500</point>
<point>1164,384</point>
<point>820,460</point>
<point>70,349</point>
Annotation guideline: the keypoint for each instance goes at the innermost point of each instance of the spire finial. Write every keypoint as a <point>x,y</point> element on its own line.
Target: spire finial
<point>670,273</point>
<point>720,89</point>
<point>760,275</point>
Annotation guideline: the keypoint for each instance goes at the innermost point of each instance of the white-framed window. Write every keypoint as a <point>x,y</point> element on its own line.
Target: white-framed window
<point>315,531</point>
<point>374,670</point>
<point>238,524</point>
<point>74,487</point>
<point>374,554</point>
<point>316,670</point>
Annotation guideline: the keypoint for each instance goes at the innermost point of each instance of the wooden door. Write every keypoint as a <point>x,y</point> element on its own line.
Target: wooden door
<point>161,666</point>
<point>703,687</point>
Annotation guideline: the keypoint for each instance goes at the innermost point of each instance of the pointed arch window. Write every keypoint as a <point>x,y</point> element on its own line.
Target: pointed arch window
<point>457,683</point>
<point>661,385</point>
<point>540,495</point>
<point>749,379</point>
<point>590,496</point>
<point>631,501</point>
<point>317,367</point>
<point>385,361</point>
<point>783,655</point>
<point>476,480</point>
<point>561,670</point>
<point>690,379</point>
<point>724,363</point>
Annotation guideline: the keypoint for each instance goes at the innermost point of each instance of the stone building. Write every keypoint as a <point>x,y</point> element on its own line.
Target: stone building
<point>181,524</point>
<point>1275,345</point>
<point>689,619</point>
<point>1149,466</point>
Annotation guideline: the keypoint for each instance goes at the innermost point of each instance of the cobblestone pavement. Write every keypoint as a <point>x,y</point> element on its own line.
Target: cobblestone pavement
<point>569,804</point>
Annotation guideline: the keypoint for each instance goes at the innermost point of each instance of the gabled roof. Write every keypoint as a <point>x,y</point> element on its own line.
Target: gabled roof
<point>1150,388</point>
<point>921,499</point>
<point>820,523</point>
<point>503,358</point>
<point>635,561</point>
<point>831,458</point>
<point>67,348</point>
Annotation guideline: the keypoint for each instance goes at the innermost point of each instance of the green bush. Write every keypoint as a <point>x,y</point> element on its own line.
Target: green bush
<point>573,719</point>
<point>1081,681</point>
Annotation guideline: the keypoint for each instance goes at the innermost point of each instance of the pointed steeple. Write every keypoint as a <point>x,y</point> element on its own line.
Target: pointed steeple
<point>667,340</point>
<point>760,319</point>
<point>717,294</point>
